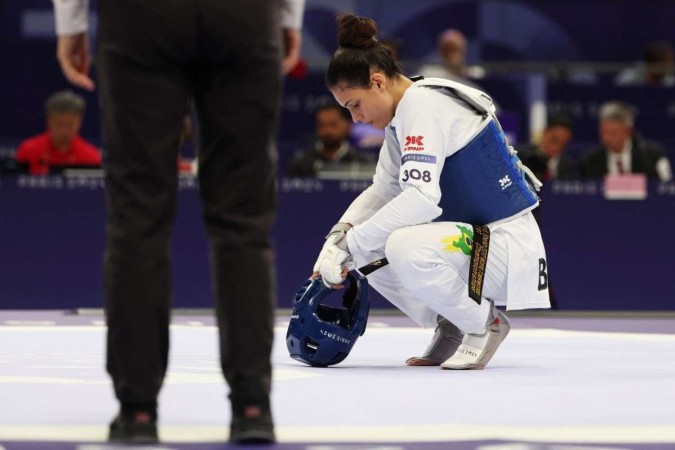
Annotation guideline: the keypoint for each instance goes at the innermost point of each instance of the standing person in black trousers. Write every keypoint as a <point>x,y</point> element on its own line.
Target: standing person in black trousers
<point>153,57</point>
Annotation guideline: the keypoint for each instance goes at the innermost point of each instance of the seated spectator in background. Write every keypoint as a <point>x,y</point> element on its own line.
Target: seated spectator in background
<point>657,67</point>
<point>187,160</point>
<point>332,150</point>
<point>61,144</point>
<point>622,150</point>
<point>451,47</point>
<point>548,161</point>
<point>547,158</point>
<point>452,50</point>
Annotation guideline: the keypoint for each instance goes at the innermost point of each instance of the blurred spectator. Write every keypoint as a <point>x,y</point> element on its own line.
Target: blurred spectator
<point>657,67</point>
<point>452,50</point>
<point>332,150</point>
<point>187,161</point>
<point>61,144</point>
<point>547,159</point>
<point>622,150</point>
<point>451,46</point>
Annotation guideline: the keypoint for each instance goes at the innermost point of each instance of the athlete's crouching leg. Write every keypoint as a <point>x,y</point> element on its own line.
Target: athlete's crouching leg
<point>416,255</point>
<point>447,337</point>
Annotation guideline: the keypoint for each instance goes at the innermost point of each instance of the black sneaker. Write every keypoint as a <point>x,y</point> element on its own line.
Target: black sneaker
<point>252,424</point>
<point>135,428</point>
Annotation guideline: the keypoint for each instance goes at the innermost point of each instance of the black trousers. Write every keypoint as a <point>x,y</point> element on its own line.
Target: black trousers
<point>154,57</point>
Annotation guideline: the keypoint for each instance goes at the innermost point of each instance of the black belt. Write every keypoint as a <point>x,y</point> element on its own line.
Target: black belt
<point>479,256</point>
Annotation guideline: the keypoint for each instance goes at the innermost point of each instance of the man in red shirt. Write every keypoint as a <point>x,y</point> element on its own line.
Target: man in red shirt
<point>61,144</point>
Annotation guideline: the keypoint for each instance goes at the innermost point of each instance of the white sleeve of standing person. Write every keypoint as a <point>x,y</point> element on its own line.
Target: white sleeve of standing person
<point>72,16</point>
<point>429,127</point>
<point>291,14</point>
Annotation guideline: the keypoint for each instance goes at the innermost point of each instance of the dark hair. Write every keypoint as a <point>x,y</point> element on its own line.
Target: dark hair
<point>64,102</point>
<point>559,120</point>
<point>344,113</point>
<point>359,53</point>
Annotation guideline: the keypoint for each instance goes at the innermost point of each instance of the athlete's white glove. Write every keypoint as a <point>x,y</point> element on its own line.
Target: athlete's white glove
<point>334,256</point>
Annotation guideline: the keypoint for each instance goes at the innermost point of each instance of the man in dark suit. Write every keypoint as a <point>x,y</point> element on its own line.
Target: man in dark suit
<point>622,150</point>
<point>547,159</point>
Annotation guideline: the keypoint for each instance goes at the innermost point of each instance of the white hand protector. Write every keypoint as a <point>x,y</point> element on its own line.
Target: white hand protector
<point>334,256</point>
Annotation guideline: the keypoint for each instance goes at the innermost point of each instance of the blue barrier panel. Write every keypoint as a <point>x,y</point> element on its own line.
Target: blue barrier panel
<point>603,255</point>
<point>609,254</point>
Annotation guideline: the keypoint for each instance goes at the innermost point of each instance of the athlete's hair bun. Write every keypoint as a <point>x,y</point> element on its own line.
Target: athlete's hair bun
<point>359,55</point>
<point>356,32</point>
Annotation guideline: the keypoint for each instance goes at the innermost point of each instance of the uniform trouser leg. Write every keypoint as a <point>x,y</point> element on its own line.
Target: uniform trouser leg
<point>142,108</point>
<point>435,271</point>
<point>237,106</point>
<point>389,285</point>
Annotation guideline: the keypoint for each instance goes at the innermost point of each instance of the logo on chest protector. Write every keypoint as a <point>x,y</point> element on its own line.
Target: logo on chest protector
<point>505,182</point>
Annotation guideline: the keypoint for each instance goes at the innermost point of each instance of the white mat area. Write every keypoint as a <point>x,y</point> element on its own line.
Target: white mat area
<point>543,384</point>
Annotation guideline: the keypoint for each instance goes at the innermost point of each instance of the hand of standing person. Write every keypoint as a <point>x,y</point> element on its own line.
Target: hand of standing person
<point>72,52</point>
<point>292,42</point>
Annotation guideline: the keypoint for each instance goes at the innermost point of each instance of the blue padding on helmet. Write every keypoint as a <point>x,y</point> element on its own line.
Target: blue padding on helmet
<point>321,335</point>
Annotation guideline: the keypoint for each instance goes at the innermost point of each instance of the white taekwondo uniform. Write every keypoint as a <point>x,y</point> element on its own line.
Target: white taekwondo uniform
<point>444,166</point>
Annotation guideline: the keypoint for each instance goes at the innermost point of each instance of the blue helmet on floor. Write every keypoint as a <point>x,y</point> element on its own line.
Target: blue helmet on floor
<point>322,335</point>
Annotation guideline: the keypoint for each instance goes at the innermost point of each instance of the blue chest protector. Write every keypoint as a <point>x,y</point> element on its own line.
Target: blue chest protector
<point>482,183</point>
